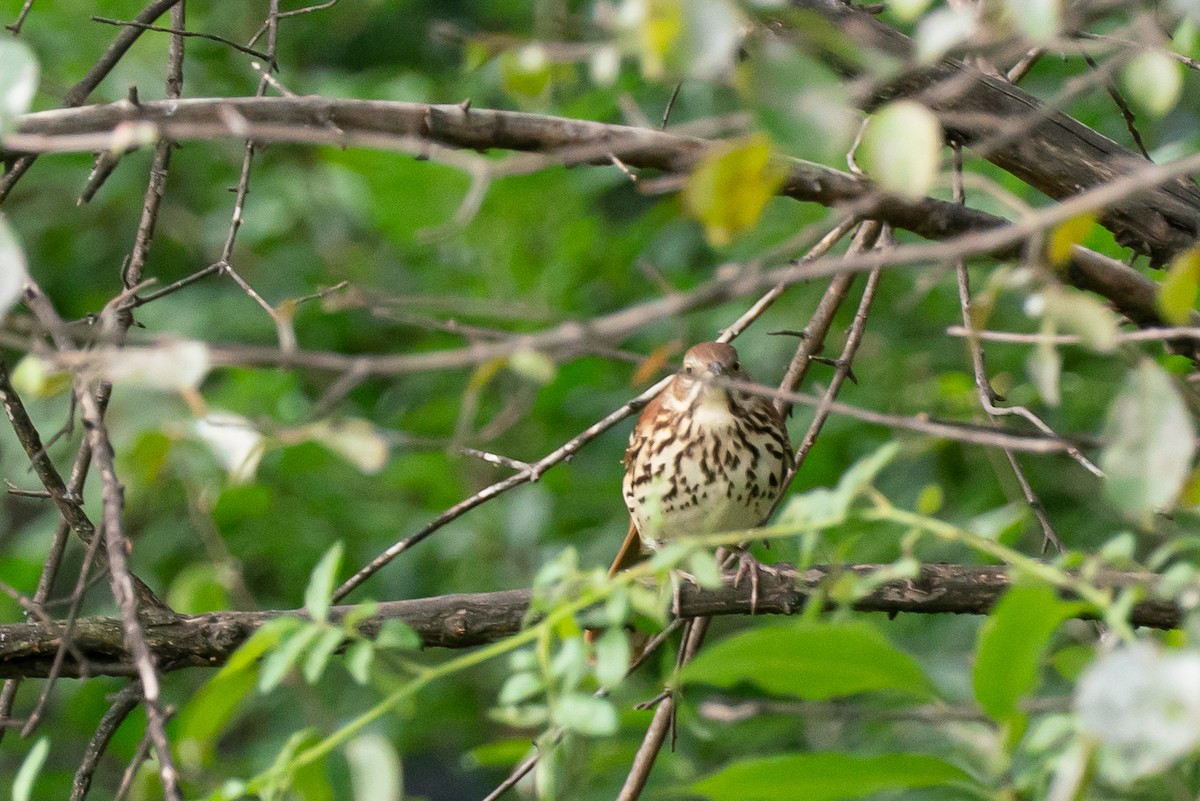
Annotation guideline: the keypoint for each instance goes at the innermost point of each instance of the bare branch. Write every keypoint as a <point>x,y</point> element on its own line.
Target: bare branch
<point>460,621</point>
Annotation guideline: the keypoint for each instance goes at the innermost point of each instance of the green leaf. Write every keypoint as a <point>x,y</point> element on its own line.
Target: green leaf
<point>731,186</point>
<point>31,766</point>
<point>208,711</point>
<point>319,594</point>
<point>586,714</point>
<point>813,660</point>
<point>902,148</point>
<point>277,663</point>
<point>1149,442</point>
<point>1011,644</point>
<point>375,772</point>
<point>13,271</point>
<point>520,687</point>
<point>1154,81</point>
<point>526,72</point>
<point>38,377</point>
<point>1177,295</point>
<point>863,472</point>
<point>703,567</point>
<point>822,508</point>
<point>318,657</point>
<point>18,81</point>
<point>359,657</point>
<point>397,635</point>
<point>612,657</point>
<point>825,777</point>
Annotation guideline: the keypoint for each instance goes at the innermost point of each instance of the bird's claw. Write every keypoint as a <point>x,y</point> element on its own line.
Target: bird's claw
<point>748,565</point>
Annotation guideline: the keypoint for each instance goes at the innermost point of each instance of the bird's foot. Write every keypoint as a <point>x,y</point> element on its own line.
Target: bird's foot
<point>749,566</point>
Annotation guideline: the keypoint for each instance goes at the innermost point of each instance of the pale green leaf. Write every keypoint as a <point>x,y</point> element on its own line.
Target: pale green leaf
<point>31,767</point>
<point>18,80</point>
<point>520,687</point>
<point>355,440</point>
<point>13,271</point>
<point>902,148</point>
<point>1154,81</point>
<point>586,714</point>
<point>319,594</point>
<point>943,29</point>
<point>1039,20</point>
<point>826,777</point>
<point>1140,703</point>
<point>375,772</point>
<point>702,566</point>
<point>179,365</point>
<point>37,377</point>
<point>531,364</point>
<point>359,657</point>
<point>612,657</point>
<point>1044,365</point>
<point>1079,313</point>
<point>1149,442</point>
<point>525,73</point>
<point>813,660</point>
<point>234,441</point>
<point>908,10</point>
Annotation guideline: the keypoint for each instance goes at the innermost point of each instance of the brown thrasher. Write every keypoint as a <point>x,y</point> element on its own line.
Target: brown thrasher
<point>703,457</point>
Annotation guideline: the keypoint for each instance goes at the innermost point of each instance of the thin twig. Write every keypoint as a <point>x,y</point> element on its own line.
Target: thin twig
<point>79,93</point>
<point>191,34</point>
<point>15,27</point>
<point>124,703</point>
<point>983,386</point>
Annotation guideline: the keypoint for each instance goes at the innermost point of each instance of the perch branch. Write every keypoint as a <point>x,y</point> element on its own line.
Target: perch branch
<point>460,621</point>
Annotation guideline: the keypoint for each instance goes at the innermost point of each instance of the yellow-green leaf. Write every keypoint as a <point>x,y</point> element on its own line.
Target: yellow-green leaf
<point>729,189</point>
<point>525,72</point>
<point>658,31</point>
<point>1177,295</point>
<point>1067,235</point>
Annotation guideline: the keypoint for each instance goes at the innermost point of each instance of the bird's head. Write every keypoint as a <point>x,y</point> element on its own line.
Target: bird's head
<point>703,365</point>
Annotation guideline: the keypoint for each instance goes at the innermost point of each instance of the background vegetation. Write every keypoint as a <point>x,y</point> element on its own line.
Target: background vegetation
<point>244,467</point>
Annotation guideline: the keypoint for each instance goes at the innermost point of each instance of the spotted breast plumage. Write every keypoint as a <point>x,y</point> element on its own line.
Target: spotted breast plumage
<point>704,457</point>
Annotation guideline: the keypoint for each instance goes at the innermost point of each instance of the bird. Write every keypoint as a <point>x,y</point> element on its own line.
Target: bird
<point>704,457</point>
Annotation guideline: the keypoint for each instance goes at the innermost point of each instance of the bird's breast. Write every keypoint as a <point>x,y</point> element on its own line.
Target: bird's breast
<point>704,470</point>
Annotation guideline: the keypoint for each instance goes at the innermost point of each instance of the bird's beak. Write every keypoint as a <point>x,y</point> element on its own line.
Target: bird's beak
<point>716,369</point>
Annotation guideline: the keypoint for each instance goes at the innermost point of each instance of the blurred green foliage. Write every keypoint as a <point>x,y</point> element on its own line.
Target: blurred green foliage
<point>554,246</point>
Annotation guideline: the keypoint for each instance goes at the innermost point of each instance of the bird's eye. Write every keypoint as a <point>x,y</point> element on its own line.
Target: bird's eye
<point>688,369</point>
<point>737,366</point>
